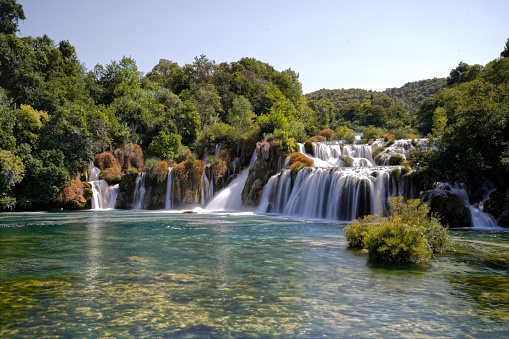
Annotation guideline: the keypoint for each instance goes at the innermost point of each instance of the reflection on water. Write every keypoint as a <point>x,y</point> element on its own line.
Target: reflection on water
<point>143,274</point>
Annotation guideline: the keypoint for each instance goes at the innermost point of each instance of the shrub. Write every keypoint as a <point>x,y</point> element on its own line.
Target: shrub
<point>378,150</point>
<point>219,167</point>
<point>347,160</point>
<point>136,157</point>
<point>73,195</point>
<point>371,133</point>
<point>111,175</point>
<point>308,147</point>
<point>407,234</point>
<point>317,138</point>
<point>389,137</point>
<point>165,145</point>
<point>396,159</point>
<point>161,170</point>
<point>301,158</point>
<point>107,160</point>
<point>357,231</point>
<point>396,242</point>
<point>327,133</point>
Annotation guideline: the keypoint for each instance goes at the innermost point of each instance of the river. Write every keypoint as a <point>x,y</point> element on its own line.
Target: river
<point>155,274</point>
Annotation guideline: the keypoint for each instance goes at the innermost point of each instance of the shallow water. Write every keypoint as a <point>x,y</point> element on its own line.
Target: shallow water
<point>149,274</point>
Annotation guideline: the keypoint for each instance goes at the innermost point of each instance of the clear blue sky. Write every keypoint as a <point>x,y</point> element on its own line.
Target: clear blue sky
<point>331,44</point>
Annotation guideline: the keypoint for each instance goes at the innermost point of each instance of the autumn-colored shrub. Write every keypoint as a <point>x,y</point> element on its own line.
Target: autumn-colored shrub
<point>326,133</point>
<point>73,195</point>
<point>224,154</point>
<point>107,160</point>
<point>137,157</point>
<point>111,174</point>
<point>389,137</point>
<point>299,157</point>
<point>219,168</point>
<point>161,170</point>
<point>317,138</point>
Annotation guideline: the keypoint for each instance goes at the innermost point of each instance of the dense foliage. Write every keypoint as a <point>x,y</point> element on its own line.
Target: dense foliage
<point>392,108</point>
<point>407,234</point>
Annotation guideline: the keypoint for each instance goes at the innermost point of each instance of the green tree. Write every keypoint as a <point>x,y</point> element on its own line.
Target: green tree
<point>7,121</point>
<point>10,14</point>
<point>12,171</point>
<point>241,114</point>
<point>208,104</point>
<point>118,79</point>
<point>187,121</point>
<point>505,52</point>
<point>475,136</point>
<point>165,145</point>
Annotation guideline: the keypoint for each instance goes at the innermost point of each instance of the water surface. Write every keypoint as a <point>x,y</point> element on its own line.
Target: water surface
<point>150,274</point>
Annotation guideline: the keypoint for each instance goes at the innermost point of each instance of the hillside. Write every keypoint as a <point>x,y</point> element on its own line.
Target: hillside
<point>409,96</point>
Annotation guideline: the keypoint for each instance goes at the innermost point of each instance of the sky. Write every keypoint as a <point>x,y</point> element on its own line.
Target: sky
<point>371,45</point>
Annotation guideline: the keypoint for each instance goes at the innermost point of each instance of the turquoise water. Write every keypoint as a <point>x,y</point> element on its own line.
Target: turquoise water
<point>148,274</point>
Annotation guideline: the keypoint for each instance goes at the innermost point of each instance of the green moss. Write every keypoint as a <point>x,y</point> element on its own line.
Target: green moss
<point>396,174</point>
<point>377,151</point>
<point>396,159</point>
<point>347,160</point>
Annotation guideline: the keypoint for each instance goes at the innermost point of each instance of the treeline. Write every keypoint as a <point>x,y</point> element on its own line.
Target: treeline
<point>392,108</point>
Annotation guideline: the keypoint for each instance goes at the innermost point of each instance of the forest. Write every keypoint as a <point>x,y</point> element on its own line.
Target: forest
<point>55,115</point>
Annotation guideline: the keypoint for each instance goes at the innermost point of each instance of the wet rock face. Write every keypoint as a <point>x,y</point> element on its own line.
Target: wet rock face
<point>126,191</point>
<point>498,206</point>
<point>451,210</point>
<point>263,168</point>
<point>188,180</point>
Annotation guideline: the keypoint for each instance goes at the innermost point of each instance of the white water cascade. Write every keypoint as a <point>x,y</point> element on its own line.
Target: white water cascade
<point>230,198</point>
<point>336,194</point>
<point>103,196</point>
<point>207,190</point>
<point>139,192</point>
<point>330,190</point>
<point>480,219</point>
<point>168,204</point>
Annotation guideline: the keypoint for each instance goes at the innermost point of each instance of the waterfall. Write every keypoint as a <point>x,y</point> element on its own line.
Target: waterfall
<point>139,192</point>
<point>230,198</point>
<point>480,219</point>
<point>336,194</point>
<point>103,196</point>
<point>207,189</point>
<point>168,204</point>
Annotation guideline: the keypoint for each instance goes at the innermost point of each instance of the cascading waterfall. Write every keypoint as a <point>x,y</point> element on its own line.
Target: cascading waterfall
<point>328,191</point>
<point>230,198</point>
<point>207,189</point>
<point>339,194</point>
<point>139,192</point>
<point>480,219</point>
<point>168,204</point>
<point>103,196</point>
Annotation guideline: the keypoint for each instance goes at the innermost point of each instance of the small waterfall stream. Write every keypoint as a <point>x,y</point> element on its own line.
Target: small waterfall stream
<point>230,199</point>
<point>139,192</point>
<point>168,204</point>
<point>103,196</point>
